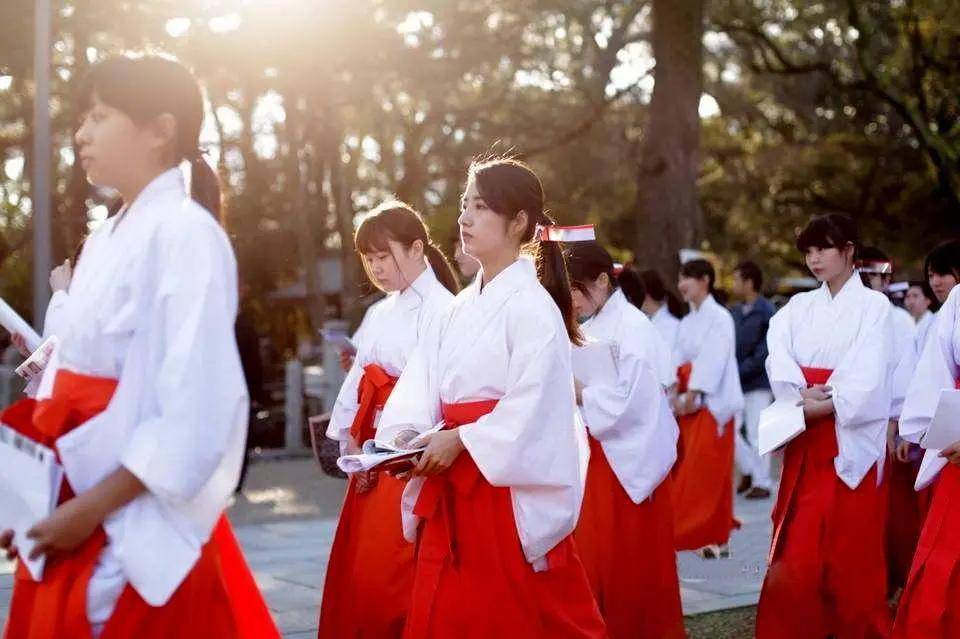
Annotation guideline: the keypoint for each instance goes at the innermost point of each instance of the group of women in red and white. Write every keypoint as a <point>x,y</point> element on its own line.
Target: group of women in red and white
<point>547,503</point>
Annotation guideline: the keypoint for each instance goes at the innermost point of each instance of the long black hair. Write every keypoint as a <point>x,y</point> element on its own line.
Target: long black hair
<point>398,221</point>
<point>509,186</point>
<point>147,86</point>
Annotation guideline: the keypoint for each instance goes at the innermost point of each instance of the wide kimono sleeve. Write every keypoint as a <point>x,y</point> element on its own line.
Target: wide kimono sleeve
<point>905,354</point>
<point>198,398</point>
<point>709,365</point>
<point>861,382</point>
<point>414,404</point>
<point>530,438</point>
<point>786,377</point>
<point>347,403</point>
<point>936,369</point>
<point>633,401</point>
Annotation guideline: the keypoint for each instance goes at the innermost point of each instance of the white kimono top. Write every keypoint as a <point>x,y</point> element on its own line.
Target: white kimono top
<point>152,304</point>
<point>391,329</point>
<point>851,334</point>
<point>924,324</point>
<point>707,339</point>
<point>508,343</point>
<point>937,368</point>
<point>905,356</point>
<point>632,419</point>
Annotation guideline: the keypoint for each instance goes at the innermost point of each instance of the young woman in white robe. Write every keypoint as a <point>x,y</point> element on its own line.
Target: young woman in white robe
<point>370,572</point>
<point>831,351</point>
<point>497,492</point>
<point>930,602</point>
<point>625,534</point>
<point>145,401</point>
<point>707,398</point>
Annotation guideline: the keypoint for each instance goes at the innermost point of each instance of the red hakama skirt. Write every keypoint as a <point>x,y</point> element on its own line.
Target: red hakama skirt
<point>627,551</point>
<point>218,598</point>
<point>472,580</point>
<point>827,575</point>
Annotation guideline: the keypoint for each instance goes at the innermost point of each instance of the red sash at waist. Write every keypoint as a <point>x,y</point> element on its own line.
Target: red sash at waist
<point>373,392</point>
<point>461,477</point>
<point>683,376</point>
<point>820,437</point>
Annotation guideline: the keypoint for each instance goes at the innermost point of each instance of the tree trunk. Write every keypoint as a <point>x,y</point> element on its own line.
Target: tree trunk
<point>667,209</point>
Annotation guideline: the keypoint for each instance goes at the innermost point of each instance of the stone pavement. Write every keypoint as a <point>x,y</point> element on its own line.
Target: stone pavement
<point>286,525</point>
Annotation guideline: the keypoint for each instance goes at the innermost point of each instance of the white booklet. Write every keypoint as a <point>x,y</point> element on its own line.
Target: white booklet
<point>944,430</point>
<point>30,479</point>
<point>780,422</point>
<point>374,453</point>
<point>595,363</point>
<point>930,467</point>
<point>12,321</point>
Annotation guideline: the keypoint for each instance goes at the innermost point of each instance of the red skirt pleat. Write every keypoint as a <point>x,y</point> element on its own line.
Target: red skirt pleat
<point>703,483</point>
<point>627,552</point>
<point>930,605</point>
<point>827,575</point>
<point>370,573</point>
<point>907,509</point>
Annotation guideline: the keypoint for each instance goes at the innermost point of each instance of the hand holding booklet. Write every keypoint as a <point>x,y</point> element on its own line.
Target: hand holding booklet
<point>943,431</point>
<point>378,454</point>
<point>780,422</point>
<point>30,479</point>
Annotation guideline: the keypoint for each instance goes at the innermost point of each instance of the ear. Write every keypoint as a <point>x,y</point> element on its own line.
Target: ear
<point>604,280</point>
<point>519,224</point>
<point>417,248</point>
<point>163,130</point>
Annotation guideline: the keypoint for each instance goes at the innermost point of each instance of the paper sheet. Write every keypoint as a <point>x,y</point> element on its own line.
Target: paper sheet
<point>339,339</point>
<point>595,363</point>
<point>930,467</point>
<point>375,453</point>
<point>12,321</point>
<point>780,422</point>
<point>30,481</point>
<point>944,428</point>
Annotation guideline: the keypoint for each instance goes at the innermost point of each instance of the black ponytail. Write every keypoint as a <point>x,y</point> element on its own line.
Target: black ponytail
<point>441,267</point>
<point>205,186</point>
<point>552,272</point>
<point>145,87</point>
<point>510,187</point>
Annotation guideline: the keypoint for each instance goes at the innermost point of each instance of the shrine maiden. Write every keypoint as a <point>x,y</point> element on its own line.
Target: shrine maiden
<point>707,398</point>
<point>145,401</point>
<point>832,350</point>
<point>498,491</point>
<point>930,603</point>
<point>370,571</point>
<point>625,533</point>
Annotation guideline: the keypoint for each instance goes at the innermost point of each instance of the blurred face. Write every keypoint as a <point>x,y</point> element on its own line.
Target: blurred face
<point>396,268</point>
<point>942,284</point>
<point>115,151</point>
<point>827,264</point>
<point>485,234</point>
<point>693,290</point>
<point>467,266</point>
<point>588,297</point>
<point>878,281</point>
<point>916,302</point>
<point>741,287</point>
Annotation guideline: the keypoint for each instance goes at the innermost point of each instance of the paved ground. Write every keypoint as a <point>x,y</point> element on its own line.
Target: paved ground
<point>286,521</point>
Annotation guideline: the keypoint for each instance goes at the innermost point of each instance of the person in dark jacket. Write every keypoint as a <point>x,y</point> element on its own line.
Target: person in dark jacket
<point>751,318</point>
